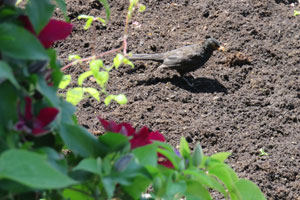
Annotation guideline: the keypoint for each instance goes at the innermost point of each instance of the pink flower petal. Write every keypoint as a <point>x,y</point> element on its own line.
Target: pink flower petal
<point>127,129</point>
<point>55,30</point>
<point>104,123</point>
<point>166,163</point>
<point>109,125</point>
<point>157,136</point>
<point>45,116</point>
<point>144,131</point>
<point>39,131</point>
<point>141,138</point>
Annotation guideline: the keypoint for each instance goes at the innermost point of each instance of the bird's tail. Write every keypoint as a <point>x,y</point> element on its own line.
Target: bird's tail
<point>155,57</point>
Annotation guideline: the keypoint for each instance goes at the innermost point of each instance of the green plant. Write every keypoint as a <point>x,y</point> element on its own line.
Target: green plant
<point>98,71</point>
<point>262,152</point>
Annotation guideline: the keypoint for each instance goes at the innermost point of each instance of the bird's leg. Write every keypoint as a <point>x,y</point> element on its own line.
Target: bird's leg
<point>190,84</point>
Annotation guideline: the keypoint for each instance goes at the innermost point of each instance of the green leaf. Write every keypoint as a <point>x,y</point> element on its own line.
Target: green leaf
<point>225,174</point>
<point>172,156</point>
<point>39,13</point>
<point>101,78</point>
<point>84,17</point>
<point>221,156</point>
<point>142,8</point>
<point>118,60</point>
<point>146,155</point>
<point>108,99</point>
<point>115,141</point>
<point>196,191</point>
<point>184,148</point>
<point>89,20</point>
<point>65,81</point>
<point>248,190</point>
<point>174,188</point>
<point>164,145</point>
<point>95,65</point>
<point>109,186</point>
<point>101,20</point>
<point>138,186</point>
<point>56,160</point>
<point>83,76</point>
<point>128,62</point>
<point>296,13</point>
<point>74,57</point>
<point>93,92</point>
<point>32,170</point>
<point>67,113</point>
<point>14,187</point>
<point>107,9</point>
<point>76,194</point>
<point>63,7</point>
<point>55,65</point>
<point>48,91</point>
<point>121,99</point>
<point>88,23</point>
<point>75,95</point>
<point>8,96</point>
<point>80,141</point>
<point>90,165</point>
<point>12,43</point>
<point>7,73</point>
<point>206,180</point>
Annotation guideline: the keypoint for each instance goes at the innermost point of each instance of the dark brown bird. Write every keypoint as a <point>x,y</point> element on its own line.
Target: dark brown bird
<point>185,59</point>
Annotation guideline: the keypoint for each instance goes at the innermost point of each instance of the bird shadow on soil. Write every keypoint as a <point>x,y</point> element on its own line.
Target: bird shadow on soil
<point>201,85</point>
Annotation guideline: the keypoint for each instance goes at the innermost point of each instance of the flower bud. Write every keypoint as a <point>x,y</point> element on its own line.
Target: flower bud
<point>197,155</point>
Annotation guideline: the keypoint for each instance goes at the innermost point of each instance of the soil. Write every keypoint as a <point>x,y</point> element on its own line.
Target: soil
<point>244,100</point>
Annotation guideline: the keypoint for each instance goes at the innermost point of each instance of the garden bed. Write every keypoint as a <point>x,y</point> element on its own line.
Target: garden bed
<point>245,100</point>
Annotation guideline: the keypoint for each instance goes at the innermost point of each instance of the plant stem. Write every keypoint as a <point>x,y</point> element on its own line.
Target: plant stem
<point>91,57</point>
<point>124,47</point>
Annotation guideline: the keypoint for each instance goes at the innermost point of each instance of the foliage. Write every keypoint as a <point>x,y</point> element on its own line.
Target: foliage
<point>46,154</point>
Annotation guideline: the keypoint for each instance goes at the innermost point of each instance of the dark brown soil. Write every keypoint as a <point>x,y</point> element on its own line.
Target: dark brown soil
<point>245,99</point>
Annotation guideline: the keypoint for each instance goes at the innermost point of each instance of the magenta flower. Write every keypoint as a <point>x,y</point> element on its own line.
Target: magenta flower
<point>141,138</point>
<point>55,30</point>
<point>35,125</point>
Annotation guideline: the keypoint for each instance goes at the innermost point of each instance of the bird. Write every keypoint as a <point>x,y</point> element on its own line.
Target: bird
<point>184,59</point>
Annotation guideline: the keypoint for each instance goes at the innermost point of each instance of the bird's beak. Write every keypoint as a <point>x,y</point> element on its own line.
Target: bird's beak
<point>222,48</point>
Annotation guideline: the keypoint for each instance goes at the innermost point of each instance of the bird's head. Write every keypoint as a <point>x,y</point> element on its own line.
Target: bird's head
<point>213,44</point>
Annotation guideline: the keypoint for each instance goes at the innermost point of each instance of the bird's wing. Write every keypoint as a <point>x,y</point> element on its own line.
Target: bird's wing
<point>181,57</point>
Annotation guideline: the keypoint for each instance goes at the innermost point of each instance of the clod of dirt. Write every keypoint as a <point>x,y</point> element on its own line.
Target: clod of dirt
<point>237,59</point>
